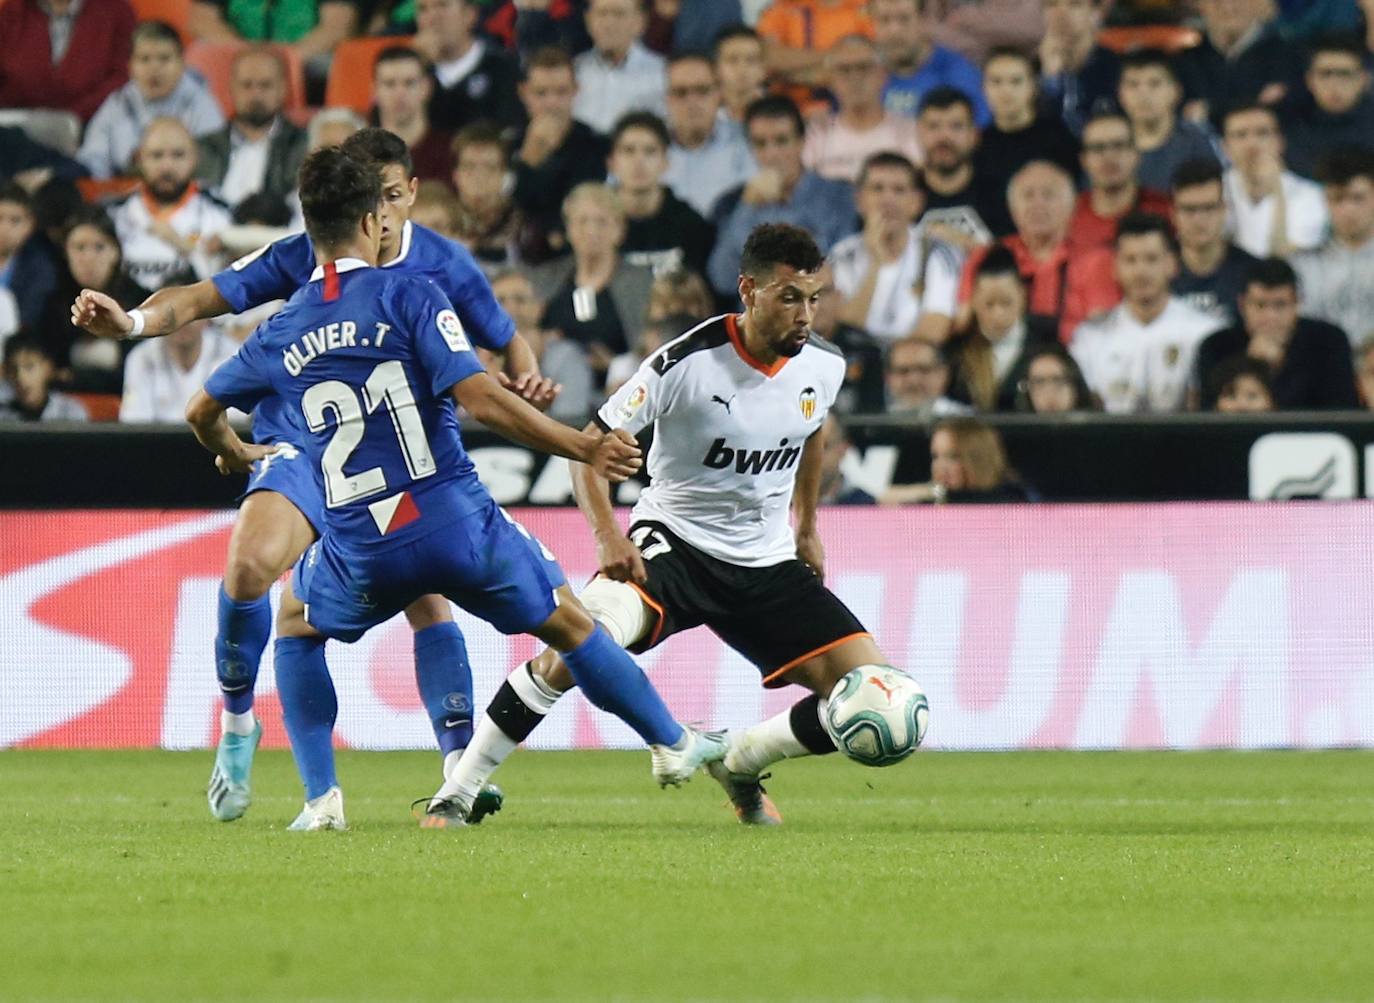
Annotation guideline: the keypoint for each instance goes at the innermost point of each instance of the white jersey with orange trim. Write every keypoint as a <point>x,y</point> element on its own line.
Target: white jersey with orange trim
<point>151,261</point>
<point>728,437</point>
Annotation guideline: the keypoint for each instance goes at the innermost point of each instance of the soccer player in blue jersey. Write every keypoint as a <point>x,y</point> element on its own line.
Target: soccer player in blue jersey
<point>281,514</point>
<point>374,361</point>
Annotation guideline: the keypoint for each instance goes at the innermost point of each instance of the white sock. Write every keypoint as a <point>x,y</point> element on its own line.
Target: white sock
<point>757,748</point>
<point>237,724</point>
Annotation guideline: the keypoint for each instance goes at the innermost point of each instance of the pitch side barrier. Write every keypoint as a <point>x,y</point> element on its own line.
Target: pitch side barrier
<point>1061,458</point>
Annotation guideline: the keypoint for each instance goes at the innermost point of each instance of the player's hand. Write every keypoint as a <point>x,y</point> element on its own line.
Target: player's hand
<point>538,391</point>
<point>619,559</point>
<point>100,315</point>
<point>811,552</point>
<point>242,461</point>
<point>617,456</point>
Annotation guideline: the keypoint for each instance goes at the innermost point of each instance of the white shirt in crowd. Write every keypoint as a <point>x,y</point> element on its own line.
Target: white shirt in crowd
<point>151,261</point>
<point>1252,223</point>
<point>1142,367</point>
<point>156,388</point>
<point>700,177</point>
<point>605,92</point>
<point>1337,286</point>
<point>834,150</point>
<point>925,279</point>
<point>247,168</point>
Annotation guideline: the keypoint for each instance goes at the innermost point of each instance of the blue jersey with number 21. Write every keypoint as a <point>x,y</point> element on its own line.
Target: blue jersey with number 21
<point>276,271</point>
<point>365,358</point>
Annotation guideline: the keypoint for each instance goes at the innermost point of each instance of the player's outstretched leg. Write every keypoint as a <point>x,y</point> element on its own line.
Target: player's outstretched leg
<point>268,536</point>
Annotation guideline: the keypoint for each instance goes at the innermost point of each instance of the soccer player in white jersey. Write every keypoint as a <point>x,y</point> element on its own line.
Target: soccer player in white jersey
<point>737,404</point>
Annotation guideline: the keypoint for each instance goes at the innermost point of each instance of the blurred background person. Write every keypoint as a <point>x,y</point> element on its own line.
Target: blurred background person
<point>835,486</point>
<point>1337,111</point>
<point>487,220</point>
<point>475,80</point>
<point>917,378</point>
<point>29,377</point>
<point>1269,209</point>
<point>401,88</point>
<point>28,271</point>
<point>1076,73</point>
<point>1110,163</point>
<point>162,374</point>
<point>680,292</point>
<point>1337,279</point>
<point>862,391</point>
<point>1054,384</point>
<point>740,70</point>
<point>560,359</point>
<point>436,207</point>
<point>1241,385</point>
<point>1211,268</point>
<point>708,155</point>
<point>314,28</point>
<point>68,55</point>
<point>1150,94</point>
<point>968,464</point>
<point>618,74</point>
<point>330,127</point>
<point>1241,59</point>
<point>958,201</point>
<point>916,65</point>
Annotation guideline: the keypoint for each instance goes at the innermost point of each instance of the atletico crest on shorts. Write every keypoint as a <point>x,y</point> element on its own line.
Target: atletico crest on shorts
<point>807,402</point>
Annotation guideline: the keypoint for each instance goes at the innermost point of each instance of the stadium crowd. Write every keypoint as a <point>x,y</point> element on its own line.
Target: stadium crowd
<point>1027,205</point>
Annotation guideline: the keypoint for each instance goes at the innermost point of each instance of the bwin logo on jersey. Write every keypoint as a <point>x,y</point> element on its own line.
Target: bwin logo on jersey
<point>807,402</point>
<point>751,461</point>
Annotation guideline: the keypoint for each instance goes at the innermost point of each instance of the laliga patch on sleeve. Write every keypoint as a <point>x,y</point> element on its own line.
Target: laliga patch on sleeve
<point>249,258</point>
<point>633,403</point>
<point>452,329</point>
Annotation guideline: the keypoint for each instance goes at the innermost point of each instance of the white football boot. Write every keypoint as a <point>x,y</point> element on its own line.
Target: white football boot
<point>325,812</point>
<point>676,766</point>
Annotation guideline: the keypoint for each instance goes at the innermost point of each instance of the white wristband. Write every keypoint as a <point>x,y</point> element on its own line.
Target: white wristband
<point>139,323</point>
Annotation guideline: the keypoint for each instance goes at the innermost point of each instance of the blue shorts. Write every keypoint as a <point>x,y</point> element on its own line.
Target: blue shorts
<point>289,473</point>
<point>487,563</point>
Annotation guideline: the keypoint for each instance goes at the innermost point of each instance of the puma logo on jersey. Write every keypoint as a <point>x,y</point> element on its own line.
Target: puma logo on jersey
<point>751,461</point>
<point>723,402</point>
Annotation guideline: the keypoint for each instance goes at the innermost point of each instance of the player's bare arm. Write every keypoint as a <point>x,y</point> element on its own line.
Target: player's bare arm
<point>617,557</point>
<point>208,419</point>
<point>805,498</point>
<point>614,455</point>
<point>520,374</point>
<point>161,313</point>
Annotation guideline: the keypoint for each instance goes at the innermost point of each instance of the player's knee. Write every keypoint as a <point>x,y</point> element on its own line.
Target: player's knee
<point>618,608</point>
<point>548,667</point>
<point>428,611</point>
<point>247,577</point>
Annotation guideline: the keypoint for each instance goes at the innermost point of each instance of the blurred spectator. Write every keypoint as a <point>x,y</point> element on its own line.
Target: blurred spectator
<point>1054,384</point>
<point>314,28</point>
<point>968,463</point>
<point>1212,270</point>
<point>797,34</point>
<point>475,81</point>
<point>536,24</point>
<point>835,487</point>
<point>1299,19</point>
<point>917,378</point>
<point>331,127</point>
<point>1240,60</point>
<point>94,261</point>
<point>593,296</point>
<point>259,150</point>
<point>709,154</point>
<point>167,226</point>
<point>1241,385</point>
<point>1310,359</point>
<point>488,220</point>
<point>1064,287</point>
<point>1150,94</point>
<point>740,70</point>
<point>680,293</point>
<point>678,26</point>
<point>1364,373</point>
<point>28,272</point>
<point>401,88</point>
<point>436,208</point>
<point>32,165</point>
<point>662,232</point>
<point>556,153</point>
<point>560,359</point>
<point>652,336</point>
<point>1017,134</point>
<point>162,374</point>
<point>1341,111</point>
<point>838,142</point>
<point>862,391</point>
<point>958,202</point>
<point>1270,210</point>
<point>893,279</point>
<point>30,374</point>
<point>259,219</point>
<point>1076,74</point>
<point>991,355</point>
<point>977,27</point>
<point>53,204</point>
<point>916,65</point>
<point>1111,162</point>
<point>158,87</point>
<point>618,74</point>
<point>1337,279</point>
<point>65,54</point>
<point>780,192</point>
<point>1140,356</point>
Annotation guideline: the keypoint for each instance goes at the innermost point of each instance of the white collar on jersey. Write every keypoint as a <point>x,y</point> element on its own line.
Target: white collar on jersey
<point>342,265</point>
<point>405,246</point>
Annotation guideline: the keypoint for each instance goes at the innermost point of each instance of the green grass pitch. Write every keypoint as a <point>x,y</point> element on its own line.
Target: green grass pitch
<point>1036,876</point>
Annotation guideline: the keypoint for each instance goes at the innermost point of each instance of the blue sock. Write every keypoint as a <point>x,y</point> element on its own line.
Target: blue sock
<point>612,681</point>
<point>444,679</point>
<point>239,644</point>
<point>309,707</point>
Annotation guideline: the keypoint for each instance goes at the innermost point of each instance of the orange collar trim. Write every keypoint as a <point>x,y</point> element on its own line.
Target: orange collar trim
<point>158,211</point>
<point>732,329</point>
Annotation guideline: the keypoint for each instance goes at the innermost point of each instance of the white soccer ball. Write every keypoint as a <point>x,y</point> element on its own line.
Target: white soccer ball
<point>877,715</point>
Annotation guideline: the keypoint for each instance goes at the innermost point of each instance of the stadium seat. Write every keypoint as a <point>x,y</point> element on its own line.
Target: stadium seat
<point>215,61</point>
<point>100,407</point>
<point>97,189</point>
<point>177,13</point>
<point>57,130</point>
<point>1169,37</point>
<point>350,74</point>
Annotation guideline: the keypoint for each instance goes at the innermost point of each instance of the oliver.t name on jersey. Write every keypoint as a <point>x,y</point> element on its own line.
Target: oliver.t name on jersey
<point>722,478</point>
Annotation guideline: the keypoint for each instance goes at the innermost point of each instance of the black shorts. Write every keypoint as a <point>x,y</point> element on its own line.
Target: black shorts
<point>777,617</point>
